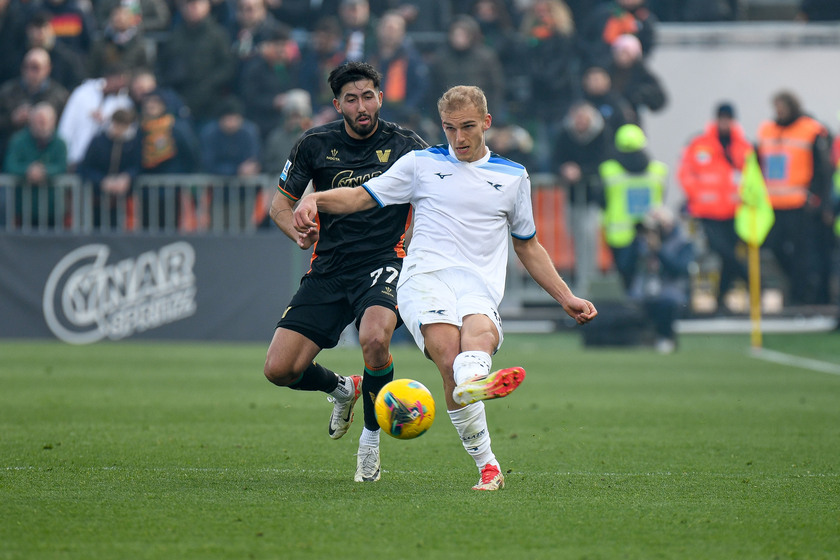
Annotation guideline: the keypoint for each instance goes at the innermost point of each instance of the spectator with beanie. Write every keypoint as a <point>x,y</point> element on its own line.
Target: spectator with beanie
<point>230,144</point>
<point>709,172</point>
<point>610,20</point>
<point>632,79</point>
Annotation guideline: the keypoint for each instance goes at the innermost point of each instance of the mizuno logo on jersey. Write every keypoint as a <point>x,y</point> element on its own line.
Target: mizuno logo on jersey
<point>442,175</point>
<point>383,155</point>
<point>333,155</point>
<point>496,186</point>
<point>437,311</point>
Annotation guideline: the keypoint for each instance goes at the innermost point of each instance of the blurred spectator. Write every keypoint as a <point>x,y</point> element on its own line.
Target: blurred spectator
<point>150,15</point>
<point>794,151</point>
<point>121,45</point>
<point>111,163</point>
<point>584,142</point>
<point>88,109</point>
<point>323,52</point>
<point>267,77</point>
<point>498,31</point>
<point>302,14</point>
<point>548,29</point>
<point>73,26</point>
<point>608,21</point>
<point>144,81</point>
<point>818,10</point>
<point>710,172</point>
<point>13,18</point>
<point>166,148</point>
<point>597,89</point>
<point>68,66</point>
<point>404,73</point>
<point>230,145</point>
<point>511,141</point>
<point>358,29</point>
<point>634,184</point>
<point>425,16</point>
<point>19,95</point>
<point>466,60</point>
<point>660,279</point>
<point>297,118</point>
<point>37,154</point>
<point>631,78</point>
<point>254,24</point>
<point>196,61</point>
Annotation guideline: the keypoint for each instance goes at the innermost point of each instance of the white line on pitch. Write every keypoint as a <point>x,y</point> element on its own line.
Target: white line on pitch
<point>796,361</point>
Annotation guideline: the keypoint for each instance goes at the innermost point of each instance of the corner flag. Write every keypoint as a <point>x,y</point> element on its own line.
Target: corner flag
<point>754,217</point>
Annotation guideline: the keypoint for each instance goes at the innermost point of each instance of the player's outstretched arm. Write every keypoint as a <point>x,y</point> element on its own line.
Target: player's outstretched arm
<point>344,200</point>
<point>536,261</point>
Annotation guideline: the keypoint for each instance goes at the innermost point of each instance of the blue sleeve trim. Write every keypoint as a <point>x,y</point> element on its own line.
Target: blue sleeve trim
<point>373,196</point>
<point>524,237</point>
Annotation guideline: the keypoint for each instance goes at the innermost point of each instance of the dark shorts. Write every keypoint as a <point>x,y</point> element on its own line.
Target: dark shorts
<point>324,305</point>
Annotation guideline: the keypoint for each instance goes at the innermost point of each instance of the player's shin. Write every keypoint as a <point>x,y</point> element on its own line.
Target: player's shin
<point>471,424</point>
<point>374,379</point>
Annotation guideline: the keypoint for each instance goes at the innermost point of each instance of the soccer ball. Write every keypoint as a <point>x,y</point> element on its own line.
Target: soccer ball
<point>404,409</point>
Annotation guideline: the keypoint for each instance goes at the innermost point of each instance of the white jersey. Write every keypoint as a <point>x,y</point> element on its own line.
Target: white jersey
<point>463,212</point>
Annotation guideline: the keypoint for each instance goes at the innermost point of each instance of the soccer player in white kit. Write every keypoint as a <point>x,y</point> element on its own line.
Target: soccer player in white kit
<point>466,201</point>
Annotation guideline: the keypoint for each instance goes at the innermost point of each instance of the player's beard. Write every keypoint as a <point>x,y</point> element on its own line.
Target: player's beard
<point>363,130</point>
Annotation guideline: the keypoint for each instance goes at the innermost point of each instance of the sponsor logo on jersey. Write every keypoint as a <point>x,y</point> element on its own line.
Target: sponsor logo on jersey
<point>346,179</point>
<point>496,186</point>
<point>383,155</point>
<point>285,172</point>
<point>442,175</point>
<point>333,155</point>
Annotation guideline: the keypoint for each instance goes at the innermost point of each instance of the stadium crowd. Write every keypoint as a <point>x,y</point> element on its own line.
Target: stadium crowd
<point>113,89</point>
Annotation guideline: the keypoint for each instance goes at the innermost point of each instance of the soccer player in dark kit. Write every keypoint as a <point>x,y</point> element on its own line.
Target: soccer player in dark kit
<point>356,258</point>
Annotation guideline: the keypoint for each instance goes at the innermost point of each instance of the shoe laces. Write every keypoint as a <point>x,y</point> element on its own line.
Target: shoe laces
<point>489,472</point>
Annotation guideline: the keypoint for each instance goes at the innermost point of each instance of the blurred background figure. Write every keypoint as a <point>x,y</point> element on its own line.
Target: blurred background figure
<point>660,281</point>
<point>549,34</point>
<point>632,79</point>
<point>596,86</point>
<point>68,66</point>
<point>120,46</point>
<point>268,77</point>
<point>72,24</point>
<point>634,184</point>
<point>608,21</point>
<point>710,173</point>
<point>19,95</point>
<point>297,118</point>
<point>197,62</point>
<point>230,144</point>
<point>795,156</point>
<point>89,109</point>
<point>323,52</point>
<point>584,142</point>
<point>13,19</point>
<point>358,29</point>
<point>111,162</point>
<point>150,15</point>
<point>36,154</point>
<point>404,73</point>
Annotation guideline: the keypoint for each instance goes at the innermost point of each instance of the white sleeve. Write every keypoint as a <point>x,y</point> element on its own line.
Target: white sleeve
<point>396,185</point>
<point>522,224</point>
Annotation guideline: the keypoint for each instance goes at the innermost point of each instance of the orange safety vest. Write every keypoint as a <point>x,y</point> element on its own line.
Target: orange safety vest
<point>710,181</point>
<point>787,160</point>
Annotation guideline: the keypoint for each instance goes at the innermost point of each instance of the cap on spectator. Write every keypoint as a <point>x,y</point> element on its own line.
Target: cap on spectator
<point>230,106</point>
<point>726,110</point>
<point>630,138</point>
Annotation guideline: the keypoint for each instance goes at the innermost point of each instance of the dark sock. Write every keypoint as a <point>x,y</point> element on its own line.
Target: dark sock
<point>372,383</point>
<point>316,378</point>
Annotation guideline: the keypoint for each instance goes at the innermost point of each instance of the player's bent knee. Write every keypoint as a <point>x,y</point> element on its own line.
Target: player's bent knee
<point>279,375</point>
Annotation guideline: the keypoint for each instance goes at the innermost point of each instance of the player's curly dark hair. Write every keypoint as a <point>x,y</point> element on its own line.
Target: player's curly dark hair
<point>352,72</point>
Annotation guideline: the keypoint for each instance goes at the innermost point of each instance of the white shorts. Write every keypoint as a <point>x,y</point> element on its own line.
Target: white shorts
<point>445,296</point>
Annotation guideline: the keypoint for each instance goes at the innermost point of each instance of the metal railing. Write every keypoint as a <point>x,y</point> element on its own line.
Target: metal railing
<point>156,203</point>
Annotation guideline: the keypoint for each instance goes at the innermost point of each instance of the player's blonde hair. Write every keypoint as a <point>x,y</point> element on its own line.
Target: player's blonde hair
<point>460,97</point>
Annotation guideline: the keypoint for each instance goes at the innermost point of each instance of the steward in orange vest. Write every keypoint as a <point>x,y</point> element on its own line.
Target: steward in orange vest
<point>794,152</point>
<point>710,175</point>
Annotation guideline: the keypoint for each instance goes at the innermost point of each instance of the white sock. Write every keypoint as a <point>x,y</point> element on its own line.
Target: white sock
<point>369,438</point>
<point>471,424</point>
<point>470,364</point>
<point>343,390</point>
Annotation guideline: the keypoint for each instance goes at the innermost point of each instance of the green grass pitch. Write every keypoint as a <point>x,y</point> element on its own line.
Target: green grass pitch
<point>185,451</point>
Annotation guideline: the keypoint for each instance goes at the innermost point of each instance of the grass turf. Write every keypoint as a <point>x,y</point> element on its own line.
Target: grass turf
<point>134,450</point>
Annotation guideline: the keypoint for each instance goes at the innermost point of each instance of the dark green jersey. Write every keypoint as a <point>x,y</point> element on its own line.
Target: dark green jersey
<point>330,158</point>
